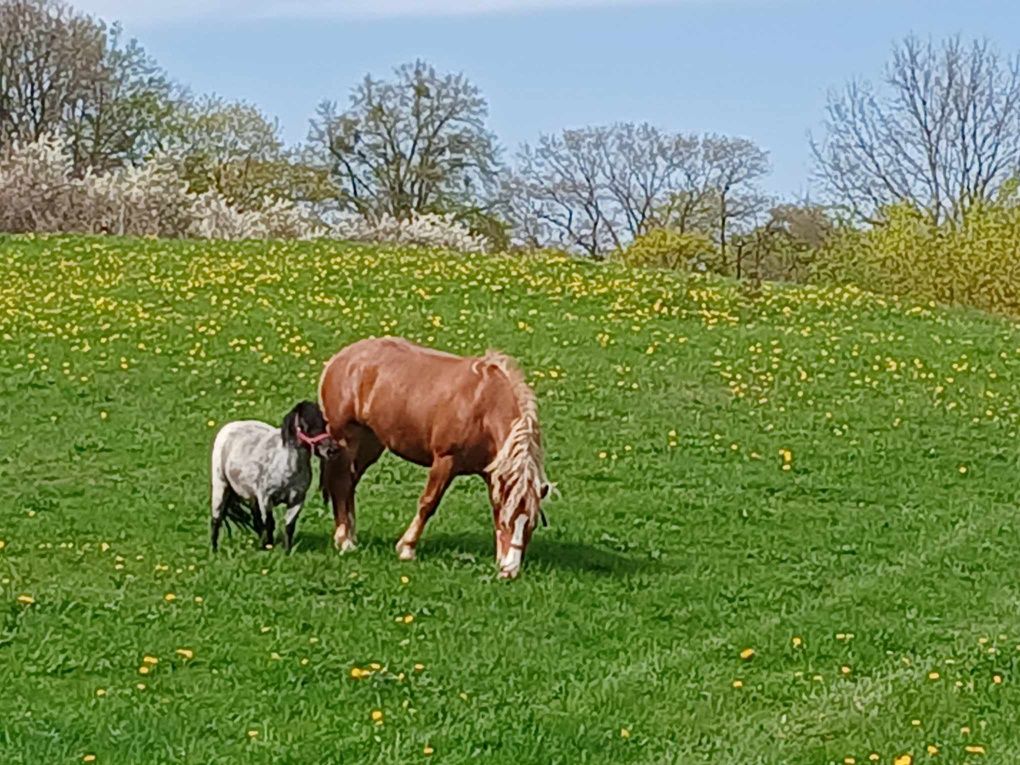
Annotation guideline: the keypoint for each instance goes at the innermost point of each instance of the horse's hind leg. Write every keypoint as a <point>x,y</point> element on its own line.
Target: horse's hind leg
<point>439,479</point>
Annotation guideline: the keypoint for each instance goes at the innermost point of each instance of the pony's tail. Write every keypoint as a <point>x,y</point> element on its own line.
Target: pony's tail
<point>235,516</point>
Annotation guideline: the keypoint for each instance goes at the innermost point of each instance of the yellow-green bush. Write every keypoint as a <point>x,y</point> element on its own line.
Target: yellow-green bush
<point>665,248</point>
<point>973,262</point>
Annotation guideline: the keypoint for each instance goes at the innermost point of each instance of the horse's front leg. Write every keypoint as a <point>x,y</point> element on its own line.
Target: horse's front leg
<point>339,482</point>
<point>440,476</point>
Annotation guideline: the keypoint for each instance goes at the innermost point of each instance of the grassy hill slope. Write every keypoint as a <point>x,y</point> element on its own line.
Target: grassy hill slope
<point>825,477</point>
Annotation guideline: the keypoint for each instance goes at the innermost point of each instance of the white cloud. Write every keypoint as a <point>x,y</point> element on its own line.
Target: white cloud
<point>154,11</point>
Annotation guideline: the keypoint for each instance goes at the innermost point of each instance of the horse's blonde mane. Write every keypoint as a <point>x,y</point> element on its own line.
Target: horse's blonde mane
<point>517,472</point>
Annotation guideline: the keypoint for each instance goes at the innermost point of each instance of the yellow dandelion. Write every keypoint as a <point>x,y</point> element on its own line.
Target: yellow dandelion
<point>428,750</point>
<point>904,759</point>
<point>738,683</point>
<point>997,679</point>
<point>89,758</point>
<point>932,750</point>
<point>624,732</point>
<point>169,597</point>
<point>874,757</point>
<point>405,579</point>
<point>3,544</point>
<point>26,600</point>
<point>408,618</point>
<point>974,749</point>
<point>253,734</point>
<point>933,675</point>
<point>185,653</point>
<point>100,692</point>
<point>377,716</point>
<point>150,660</point>
<point>143,670</point>
<point>845,670</point>
<point>797,642</point>
<point>747,653</point>
<point>419,667</point>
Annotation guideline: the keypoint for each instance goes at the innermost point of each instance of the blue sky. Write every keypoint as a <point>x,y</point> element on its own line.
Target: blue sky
<point>754,68</point>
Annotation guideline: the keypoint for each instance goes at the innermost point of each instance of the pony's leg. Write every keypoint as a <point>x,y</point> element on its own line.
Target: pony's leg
<point>265,508</point>
<point>220,498</point>
<point>290,521</point>
<point>440,475</point>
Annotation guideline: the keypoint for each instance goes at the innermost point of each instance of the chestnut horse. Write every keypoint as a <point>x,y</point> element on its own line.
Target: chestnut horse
<point>452,414</point>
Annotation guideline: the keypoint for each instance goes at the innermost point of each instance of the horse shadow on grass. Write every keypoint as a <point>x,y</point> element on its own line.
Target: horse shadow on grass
<point>470,548</point>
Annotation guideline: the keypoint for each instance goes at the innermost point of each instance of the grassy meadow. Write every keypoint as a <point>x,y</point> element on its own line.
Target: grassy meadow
<point>788,529</point>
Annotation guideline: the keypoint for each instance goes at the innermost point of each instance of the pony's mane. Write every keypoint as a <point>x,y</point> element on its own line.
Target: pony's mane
<point>517,471</point>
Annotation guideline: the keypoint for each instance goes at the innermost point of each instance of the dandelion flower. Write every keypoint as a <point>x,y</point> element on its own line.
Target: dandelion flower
<point>150,660</point>
<point>933,750</point>
<point>89,758</point>
<point>624,733</point>
<point>933,675</point>
<point>747,653</point>
<point>428,750</point>
<point>185,653</point>
<point>904,759</point>
<point>974,749</point>
<point>26,600</point>
<point>797,642</point>
<point>738,683</point>
<point>169,597</point>
<point>377,716</point>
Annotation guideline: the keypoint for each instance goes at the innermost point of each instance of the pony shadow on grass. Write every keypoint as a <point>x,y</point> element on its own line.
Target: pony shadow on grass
<point>478,547</point>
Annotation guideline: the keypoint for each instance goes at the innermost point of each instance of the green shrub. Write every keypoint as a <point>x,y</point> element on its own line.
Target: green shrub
<point>665,248</point>
<point>974,262</point>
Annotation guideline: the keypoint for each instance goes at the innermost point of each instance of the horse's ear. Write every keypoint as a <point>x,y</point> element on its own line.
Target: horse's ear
<point>288,431</point>
<point>545,491</point>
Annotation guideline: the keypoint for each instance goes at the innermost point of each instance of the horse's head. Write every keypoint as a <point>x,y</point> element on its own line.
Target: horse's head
<point>519,511</point>
<point>304,426</point>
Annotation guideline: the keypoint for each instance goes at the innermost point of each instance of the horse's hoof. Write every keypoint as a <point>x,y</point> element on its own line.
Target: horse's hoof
<point>509,573</point>
<point>345,545</point>
<point>405,552</point>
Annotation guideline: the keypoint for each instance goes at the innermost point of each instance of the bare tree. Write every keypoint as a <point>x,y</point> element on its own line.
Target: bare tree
<point>415,143</point>
<point>558,193</point>
<point>597,188</point>
<point>942,134</point>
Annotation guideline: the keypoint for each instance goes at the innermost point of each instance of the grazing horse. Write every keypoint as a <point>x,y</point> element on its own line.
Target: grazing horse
<point>452,414</point>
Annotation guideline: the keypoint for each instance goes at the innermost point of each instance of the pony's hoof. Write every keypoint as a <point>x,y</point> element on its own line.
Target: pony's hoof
<point>405,552</point>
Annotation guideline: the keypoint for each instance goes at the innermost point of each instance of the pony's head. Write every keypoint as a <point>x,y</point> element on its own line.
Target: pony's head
<point>304,426</point>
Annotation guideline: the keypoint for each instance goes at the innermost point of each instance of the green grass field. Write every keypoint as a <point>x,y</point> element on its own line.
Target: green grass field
<point>825,477</point>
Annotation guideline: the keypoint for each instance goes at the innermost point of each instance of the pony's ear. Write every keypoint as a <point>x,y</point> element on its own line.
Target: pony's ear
<point>288,431</point>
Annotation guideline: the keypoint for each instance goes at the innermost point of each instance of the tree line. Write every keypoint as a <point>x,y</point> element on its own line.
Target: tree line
<point>939,134</point>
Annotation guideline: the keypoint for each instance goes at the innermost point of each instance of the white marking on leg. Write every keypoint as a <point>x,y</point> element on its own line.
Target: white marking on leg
<point>292,514</point>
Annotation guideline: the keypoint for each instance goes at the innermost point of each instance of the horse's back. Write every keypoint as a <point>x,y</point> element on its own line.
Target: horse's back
<point>418,401</point>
